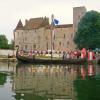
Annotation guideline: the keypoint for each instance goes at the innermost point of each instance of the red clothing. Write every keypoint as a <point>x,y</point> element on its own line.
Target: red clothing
<point>83,53</point>
<point>91,55</point>
<point>30,53</point>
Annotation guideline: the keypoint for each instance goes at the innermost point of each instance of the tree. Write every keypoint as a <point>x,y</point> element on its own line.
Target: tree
<point>11,45</point>
<point>88,33</point>
<point>3,42</point>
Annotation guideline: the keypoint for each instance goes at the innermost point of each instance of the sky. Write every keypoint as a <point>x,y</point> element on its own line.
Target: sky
<point>14,10</point>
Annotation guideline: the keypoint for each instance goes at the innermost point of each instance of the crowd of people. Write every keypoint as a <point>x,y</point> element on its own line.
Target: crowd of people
<point>64,54</point>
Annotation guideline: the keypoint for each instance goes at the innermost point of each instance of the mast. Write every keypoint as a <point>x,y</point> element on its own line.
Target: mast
<point>52,30</point>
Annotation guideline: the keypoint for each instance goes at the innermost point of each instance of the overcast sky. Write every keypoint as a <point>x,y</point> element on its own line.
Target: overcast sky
<point>13,10</point>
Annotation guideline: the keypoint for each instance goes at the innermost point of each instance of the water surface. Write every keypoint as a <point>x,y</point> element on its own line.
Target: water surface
<point>49,82</point>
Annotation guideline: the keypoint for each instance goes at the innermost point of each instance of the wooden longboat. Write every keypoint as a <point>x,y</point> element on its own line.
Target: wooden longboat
<point>34,60</point>
<point>49,61</point>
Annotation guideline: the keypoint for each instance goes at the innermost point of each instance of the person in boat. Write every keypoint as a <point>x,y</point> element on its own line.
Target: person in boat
<point>30,53</point>
<point>46,52</point>
<point>68,55</point>
<point>91,55</point>
<point>21,52</point>
<point>77,54</point>
<point>72,56</point>
<point>64,55</point>
<point>83,53</point>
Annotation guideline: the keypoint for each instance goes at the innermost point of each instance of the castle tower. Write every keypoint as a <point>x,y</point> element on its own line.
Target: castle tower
<point>78,13</point>
<point>19,25</point>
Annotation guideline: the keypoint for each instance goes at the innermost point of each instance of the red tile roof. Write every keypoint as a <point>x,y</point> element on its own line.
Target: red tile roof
<point>36,23</point>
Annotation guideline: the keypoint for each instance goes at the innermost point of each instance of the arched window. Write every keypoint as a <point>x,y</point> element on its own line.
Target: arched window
<point>59,43</point>
<point>34,47</point>
<point>67,42</point>
<point>64,36</point>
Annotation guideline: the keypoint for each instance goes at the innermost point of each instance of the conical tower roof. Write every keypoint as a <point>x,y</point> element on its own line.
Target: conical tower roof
<point>19,25</point>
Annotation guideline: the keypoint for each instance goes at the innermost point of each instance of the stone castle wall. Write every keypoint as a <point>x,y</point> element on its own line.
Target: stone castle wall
<point>39,38</point>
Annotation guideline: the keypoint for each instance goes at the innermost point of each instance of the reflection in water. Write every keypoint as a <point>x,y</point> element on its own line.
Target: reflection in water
<point>87,72</point>
<point>6,79</point>
<point>5,70</point>
<point>49,82</point>
<point>83,72</point>
<point>3,78</point>
<point>45,81</point>
<point>88,88</point>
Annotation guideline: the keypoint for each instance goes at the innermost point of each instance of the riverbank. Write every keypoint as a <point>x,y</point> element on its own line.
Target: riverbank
<point>4,55</point>
<point>4,58</point>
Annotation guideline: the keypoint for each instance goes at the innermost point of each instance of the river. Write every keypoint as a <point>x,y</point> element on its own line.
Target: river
<point>49,82</point>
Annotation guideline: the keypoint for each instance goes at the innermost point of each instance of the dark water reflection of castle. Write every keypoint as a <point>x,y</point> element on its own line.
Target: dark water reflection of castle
<point>49,82</point>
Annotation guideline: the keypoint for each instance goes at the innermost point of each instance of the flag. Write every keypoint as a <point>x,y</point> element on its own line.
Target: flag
<point>55,21</point>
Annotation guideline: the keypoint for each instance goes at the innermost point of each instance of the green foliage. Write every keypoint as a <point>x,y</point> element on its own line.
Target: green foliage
<point>11,45</point>
<point>3,77</point>
<point>3,42</point>
<point>88,33</point>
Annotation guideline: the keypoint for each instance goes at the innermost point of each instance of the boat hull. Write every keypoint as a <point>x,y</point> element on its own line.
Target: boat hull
<point>49,61</point>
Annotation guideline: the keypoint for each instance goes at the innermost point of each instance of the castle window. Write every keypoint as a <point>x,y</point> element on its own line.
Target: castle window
<point>67,42</point>
<point>25,38</point>
<point>34,47</point>
<point>64,36</point>
<point>60,43</point>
